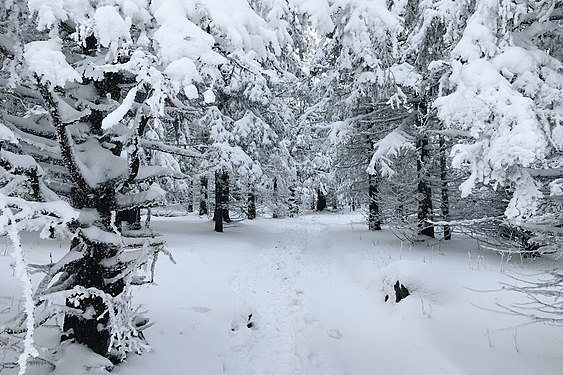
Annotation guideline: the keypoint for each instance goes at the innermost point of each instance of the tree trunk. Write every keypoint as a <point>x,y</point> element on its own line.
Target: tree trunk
<point>292,203</point>
<point>321,200</point>
<point>445,204</point>
<point>374,218</point>
<point>191,197</point>
<point>225,196</point>
<point>132,218</point>
<point>424,191</point>
<point>218,214</point>
<point>89,272</point>
<point>275,212</point>
<point>203,196</point>
<point>251,214</point>
<point>88,323</point>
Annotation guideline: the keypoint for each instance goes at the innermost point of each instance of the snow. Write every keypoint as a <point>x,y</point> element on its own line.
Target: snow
<point>78,360</point>
<point>405,75</point>
<point>111,28</point>
<point>209,96</point>
<point>49,12</point>
<point>389,146</point>
<point>319,12</point>
<point>99,164</point>
<point>7,135</point>
<point>117,115</point>
<point>315,287</point>
<point>45,59</point>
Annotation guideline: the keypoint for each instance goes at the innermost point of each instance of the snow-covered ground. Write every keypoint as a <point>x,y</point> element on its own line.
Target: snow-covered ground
<point>307,296</point>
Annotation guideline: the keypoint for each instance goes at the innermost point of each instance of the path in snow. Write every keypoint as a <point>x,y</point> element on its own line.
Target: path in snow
<point>313,287</point>
<point>283,326</point>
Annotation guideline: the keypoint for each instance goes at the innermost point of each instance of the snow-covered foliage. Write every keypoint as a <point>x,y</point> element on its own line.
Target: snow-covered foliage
<point>389,146</point>
<point>504,89</point>
<point>110,106</point>
<point>94,79</point>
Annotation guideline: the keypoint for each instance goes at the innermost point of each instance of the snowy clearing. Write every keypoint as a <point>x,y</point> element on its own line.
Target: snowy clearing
<point>307,296</point>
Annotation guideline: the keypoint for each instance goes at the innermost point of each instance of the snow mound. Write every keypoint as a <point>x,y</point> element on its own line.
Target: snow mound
<point>77,359</point>
<point>420,279</point>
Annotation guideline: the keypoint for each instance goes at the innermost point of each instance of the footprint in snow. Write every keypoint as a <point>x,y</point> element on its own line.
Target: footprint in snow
<point>334,334</point>
<point>201,309</point>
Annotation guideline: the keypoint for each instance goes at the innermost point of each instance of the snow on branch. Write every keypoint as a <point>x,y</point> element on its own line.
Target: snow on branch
<point>45,59</point>
<point>545,298</point>
<point>159,146</point>
<point>154,196</point>
<point>389,146</point>
<point>117,115</point>
<point>148,172</point>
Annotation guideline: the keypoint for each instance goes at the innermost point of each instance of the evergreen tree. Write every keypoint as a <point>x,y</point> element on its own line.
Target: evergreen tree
<point>97,79</point>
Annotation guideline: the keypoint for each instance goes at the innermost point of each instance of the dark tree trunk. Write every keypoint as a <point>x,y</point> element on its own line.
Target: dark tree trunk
<point>374,218</point>
<point>89,272</point>
<point>132,217</point>
<point>445,204</point>
<point>251,214</point>
<point>191,197</point>
<point>89,324</point>
<point>292,203</point>
<point>424,190</point>
<point>225,196</point>
<point>218,214</point>
<point>275,212</point>
<point>321,200</point>
<point>203,196</point>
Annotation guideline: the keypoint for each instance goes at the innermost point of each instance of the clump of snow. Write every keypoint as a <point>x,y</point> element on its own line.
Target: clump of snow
<point>99,164</point>
<point>209,96</point>
<point>45,59</point>
<point>50,12</point>
<point>389,146</point>
<point>502,121</point>
<point>117,115</point>
<point>7,135</point>
<point>319,12</point>
<point>111,28</point>
<point>183,73</point>
<point>478,39</point>
<point>406,75</point>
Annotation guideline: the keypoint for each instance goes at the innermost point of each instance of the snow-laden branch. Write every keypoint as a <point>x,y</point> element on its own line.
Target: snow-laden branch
<point>159,146</point>
<point>390,146</point>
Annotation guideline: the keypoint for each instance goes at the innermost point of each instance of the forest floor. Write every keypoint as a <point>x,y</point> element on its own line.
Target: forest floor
<point>307,296</point>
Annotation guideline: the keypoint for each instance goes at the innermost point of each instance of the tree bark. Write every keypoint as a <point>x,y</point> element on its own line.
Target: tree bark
<point>424,190</point>
<point>203,196</point>
<point>191,197</point>
<point>225,196</point>
<point>445,203</point>
<point>275,212</point>
<point>321,200</point>
<point>218,214</point>
<point>251,214</point>
<point>292,203</point>
<point>374,217</point>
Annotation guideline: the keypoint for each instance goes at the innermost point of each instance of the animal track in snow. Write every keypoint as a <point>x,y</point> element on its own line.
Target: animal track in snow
<point>334,333</point>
